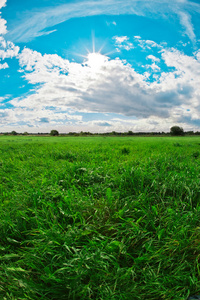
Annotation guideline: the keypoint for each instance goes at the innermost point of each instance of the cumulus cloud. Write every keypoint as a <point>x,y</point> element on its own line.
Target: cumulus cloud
<point>3,29</point>
<point>121,39</point>
<point>198,55</point>
<point>122,42</point>
<point>108,86</point>
<point>187,67</point>
<point>146,44</point>
<point>153,58</point>
<point>42,68</point>
<point>4,98</point>
<point>88,88</point>
<point>2,3</point>
<point>23,117</point>
<point>4,66</point>
<point>154,67</point>
<point>7,49</point>
<point>85,88</point>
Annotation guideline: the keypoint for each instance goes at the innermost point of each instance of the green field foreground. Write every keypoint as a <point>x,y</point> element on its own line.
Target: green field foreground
<point>99,218</point>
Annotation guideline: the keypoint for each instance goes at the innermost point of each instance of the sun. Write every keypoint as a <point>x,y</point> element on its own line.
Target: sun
<point>96,60</point>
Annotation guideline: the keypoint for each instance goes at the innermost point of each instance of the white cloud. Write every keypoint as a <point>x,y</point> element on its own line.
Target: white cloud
<point>154,67</point>
<point>2,3</point>
<point>4,98</point>
<point>146,44</point>
<point>4,66</point>
<point>187,66</point>
<point>111,23</point>
<point>185,20</point>
<point>3,29</point>
<point>45,32</point>
<point>35,24</point>
<point>33,122</point>
<point>122,42</point>
<point>7,49</point>
<point>83,88</point>
<point>44,65</point>
<point>113,87</point>
<point>24,118</point>
<point>151,43</point>
<point>121,39</point>
<point>198,55</point>
<point>153,58</point>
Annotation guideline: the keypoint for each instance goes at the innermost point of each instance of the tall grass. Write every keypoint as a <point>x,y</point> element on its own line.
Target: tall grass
<point>99,218</point>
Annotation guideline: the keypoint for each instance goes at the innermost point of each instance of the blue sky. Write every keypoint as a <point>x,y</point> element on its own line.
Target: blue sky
<point>99,65</point>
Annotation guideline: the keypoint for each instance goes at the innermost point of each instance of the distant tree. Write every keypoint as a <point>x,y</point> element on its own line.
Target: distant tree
<point>130,132</point>
<point>176,130</point>
<point>13,132</point>
<point>54,132</point>
<point>190,132</point>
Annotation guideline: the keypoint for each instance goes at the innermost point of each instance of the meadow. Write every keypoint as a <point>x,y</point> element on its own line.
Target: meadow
<point>99,218</point>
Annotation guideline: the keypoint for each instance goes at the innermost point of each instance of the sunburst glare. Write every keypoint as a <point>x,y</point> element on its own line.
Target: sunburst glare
<point>96,60</point>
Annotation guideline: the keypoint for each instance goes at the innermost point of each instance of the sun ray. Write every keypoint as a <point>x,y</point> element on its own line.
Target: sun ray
<point>80,55</point>
<point>93,42</point>
<point>111,52</point>
<point>102,47</point>
<point>88,51</point>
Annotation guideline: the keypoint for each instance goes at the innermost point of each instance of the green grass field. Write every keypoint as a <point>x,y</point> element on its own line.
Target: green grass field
<point>99,218</point>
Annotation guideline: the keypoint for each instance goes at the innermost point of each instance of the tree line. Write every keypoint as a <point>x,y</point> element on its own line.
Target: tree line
<point>174,131</point>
